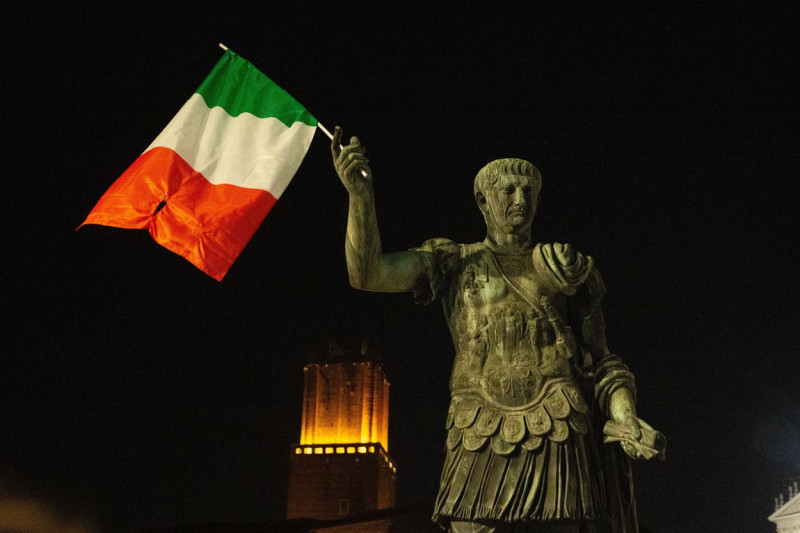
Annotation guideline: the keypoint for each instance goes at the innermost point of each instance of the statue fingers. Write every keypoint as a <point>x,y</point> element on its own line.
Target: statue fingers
<point>630,449</point>
<point>351,149</point>
<point>354,164</point>
<point>365,171</point>
<point>336,143</point>
<point>347,155</point>
<point>350,162</point>
<point>350,157</point>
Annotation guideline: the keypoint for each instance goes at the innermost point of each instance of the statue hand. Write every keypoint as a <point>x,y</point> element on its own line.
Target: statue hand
<point>634,430</point>
<point>351,164</point>
<point>636,437</point>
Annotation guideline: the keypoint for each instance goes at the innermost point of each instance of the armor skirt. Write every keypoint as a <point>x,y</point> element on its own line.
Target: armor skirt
<point>559,481</point>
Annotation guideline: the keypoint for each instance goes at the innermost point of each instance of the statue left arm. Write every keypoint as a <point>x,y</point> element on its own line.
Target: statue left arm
<point>614,387</point>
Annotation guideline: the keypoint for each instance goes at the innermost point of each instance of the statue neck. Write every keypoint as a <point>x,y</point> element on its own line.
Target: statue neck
<point>502,242</point>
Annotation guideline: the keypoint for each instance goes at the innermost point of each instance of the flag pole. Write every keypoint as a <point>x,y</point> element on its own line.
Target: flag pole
<point>319,124</point>
<point>325,130</point>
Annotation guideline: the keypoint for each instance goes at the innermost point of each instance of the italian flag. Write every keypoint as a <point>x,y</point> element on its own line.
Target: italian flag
<point>206,183</point>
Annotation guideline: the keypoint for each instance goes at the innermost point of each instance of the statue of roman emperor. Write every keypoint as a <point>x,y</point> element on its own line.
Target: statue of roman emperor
<point>538,401</point>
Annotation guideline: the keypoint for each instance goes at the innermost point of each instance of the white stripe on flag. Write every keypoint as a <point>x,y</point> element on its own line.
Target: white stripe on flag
<point>257,153</point>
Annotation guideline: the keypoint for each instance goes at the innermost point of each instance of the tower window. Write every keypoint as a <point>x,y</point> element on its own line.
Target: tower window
<point>344,506</point>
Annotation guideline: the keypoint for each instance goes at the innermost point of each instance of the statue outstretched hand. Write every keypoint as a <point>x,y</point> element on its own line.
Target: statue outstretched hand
<point>351,164</point>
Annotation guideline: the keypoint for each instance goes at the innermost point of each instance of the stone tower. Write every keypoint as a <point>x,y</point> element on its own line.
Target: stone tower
<point>341,465</point>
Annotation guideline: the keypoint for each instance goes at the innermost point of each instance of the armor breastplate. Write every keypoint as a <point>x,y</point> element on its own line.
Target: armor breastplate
<point>506,349</point>
<point>512,382</point>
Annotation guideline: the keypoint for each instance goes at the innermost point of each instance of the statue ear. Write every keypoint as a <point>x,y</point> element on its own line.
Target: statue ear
<point>482,202</point>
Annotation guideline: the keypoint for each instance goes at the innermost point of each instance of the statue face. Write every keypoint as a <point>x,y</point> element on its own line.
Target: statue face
<point>510,204</point>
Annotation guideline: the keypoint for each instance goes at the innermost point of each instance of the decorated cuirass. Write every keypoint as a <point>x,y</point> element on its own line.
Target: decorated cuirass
<point>513,381</point>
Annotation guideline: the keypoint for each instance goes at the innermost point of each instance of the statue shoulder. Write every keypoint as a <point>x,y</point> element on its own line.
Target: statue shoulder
<point>440,253</point>
<point>437,245</point>
<point>563,267</point>
<point>440,258</point>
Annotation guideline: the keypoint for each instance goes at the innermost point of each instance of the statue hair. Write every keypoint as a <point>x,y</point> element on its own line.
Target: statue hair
<point>488,175</point>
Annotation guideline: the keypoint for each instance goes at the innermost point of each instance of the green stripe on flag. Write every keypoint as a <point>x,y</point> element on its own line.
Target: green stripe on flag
<point>239,87</point>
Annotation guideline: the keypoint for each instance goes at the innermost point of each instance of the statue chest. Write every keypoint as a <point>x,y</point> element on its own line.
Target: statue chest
<point>487,281</point>
<point>505,345</point>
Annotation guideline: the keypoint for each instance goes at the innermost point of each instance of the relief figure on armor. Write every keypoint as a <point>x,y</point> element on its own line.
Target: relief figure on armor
<point>542,418</point>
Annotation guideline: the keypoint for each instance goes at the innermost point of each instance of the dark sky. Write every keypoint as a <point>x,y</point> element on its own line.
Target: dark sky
<point>136,392</point>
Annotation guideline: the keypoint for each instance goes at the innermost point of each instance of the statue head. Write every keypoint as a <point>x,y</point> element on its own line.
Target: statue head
<point>507,192</point>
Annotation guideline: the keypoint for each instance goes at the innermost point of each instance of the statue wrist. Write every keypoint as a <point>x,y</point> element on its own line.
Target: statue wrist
<point>621,404</point>
<point>361,193</point>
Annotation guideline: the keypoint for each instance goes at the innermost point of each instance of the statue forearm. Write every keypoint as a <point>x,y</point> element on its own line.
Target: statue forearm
<point>621,404</point>
<point>363,242</point>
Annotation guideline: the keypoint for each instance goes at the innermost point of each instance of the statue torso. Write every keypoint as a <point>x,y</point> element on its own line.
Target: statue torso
<point>512,382</point>
<point>505,344</point>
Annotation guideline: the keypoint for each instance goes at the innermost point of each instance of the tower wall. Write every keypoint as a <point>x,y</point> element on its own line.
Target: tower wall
<point>345,402</point>
<point>341,466</point>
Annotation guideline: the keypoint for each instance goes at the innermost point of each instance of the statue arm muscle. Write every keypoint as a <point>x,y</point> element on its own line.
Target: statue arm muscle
<point>368,268</point>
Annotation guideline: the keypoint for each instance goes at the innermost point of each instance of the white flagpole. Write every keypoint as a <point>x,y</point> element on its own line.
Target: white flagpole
<point>325,130</point>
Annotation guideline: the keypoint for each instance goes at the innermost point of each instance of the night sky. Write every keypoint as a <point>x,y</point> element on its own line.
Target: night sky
<point>136,392</point>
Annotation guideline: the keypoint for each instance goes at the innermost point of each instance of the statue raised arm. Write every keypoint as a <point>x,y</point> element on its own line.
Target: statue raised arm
<point>368,268</point>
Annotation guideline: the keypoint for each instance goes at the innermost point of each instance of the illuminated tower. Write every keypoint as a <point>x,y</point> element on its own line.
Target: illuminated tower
<point>342,465</point>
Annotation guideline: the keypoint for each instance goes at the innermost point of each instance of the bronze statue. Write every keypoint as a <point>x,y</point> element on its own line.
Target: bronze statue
<point>534,386</point>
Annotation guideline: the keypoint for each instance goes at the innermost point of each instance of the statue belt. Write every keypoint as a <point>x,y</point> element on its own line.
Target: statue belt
<point>474,420</point>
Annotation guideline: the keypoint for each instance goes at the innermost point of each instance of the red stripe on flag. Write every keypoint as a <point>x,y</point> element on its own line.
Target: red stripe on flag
<point>207,224</point>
